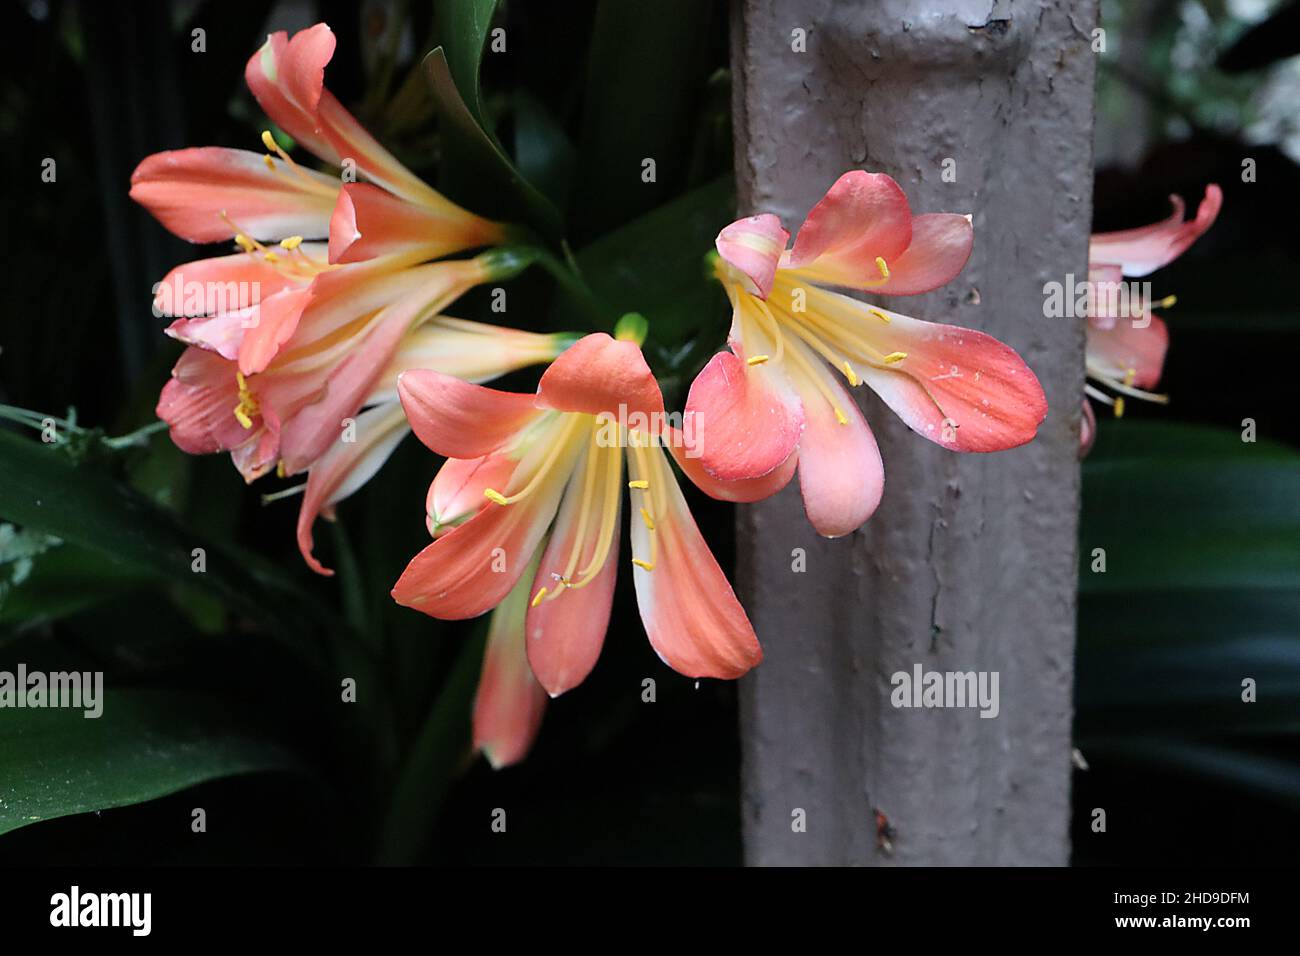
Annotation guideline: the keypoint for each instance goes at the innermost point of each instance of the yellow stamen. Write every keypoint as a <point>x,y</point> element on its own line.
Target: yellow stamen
<point>1129,376</point>
<point>643,564</point>
<point>640,484</point>
<point>839,415</point>
<point>893,358</point>
<point>247,406</point>
<point>293,242</point>
<point>880,315</point>
<point>491,494</point>
<point>280,470</point>
<point>537,598</point>
<point>1119,406</point>
<point>649,522</point>
<point>851,375</point>
<point>244,242</point>
<point>271,257</point>
<point>1168,302</point>
<point>756,360</point>
<point>883,267</point>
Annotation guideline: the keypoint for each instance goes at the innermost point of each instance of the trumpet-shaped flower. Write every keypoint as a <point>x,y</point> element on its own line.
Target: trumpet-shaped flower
<point>775,399</point>
<point>1126,353</point>
<point>543,474</point>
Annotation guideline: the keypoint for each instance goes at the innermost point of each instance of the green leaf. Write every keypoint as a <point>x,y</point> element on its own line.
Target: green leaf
<point>1228,514</point>
<point>146,744</point>
<point>42,489</point>
<point>462,29</point>
<point>439,750</point>
<point>476,172</point>
<point>656,266</point>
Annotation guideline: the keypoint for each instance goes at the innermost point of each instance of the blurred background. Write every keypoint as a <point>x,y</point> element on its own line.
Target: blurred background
<point>225,686</point>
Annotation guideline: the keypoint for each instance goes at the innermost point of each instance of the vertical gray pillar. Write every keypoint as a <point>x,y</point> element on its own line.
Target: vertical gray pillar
<point>970,562</point>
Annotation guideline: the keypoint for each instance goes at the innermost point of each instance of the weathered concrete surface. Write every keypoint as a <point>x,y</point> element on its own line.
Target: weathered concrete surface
<point>970,561</point>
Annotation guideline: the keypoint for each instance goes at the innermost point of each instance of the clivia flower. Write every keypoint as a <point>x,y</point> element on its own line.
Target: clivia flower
<point>331,295</point>
<point>774,400</point>
<point>543,474</point>
<point>1126,353</point>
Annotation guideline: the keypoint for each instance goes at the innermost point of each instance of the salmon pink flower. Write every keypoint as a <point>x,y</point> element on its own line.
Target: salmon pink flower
<point>774,399</point>
<point>291,224</point>
<point>304,410</point>
<point>1126,353</point>
<point>522,467</point>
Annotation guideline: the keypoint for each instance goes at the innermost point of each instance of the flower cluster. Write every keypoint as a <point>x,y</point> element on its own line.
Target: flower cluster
<point>1126,352</point>
<point>334,342</point>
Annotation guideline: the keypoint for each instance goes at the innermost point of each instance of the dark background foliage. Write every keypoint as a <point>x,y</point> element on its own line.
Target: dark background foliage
<point>226,689</point>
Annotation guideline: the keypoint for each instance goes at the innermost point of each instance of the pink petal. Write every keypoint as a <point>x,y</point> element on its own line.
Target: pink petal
<point>753,247</point>
<point>1087,429</point>
<point>198,404</point>
<point>198,193</point>
<point>743,421</point>
<point>841,475</point>
<point>598,374</point>
<point>217,285</point>
<point>456,492</point>
<point>273,322</point>
<point>369,222</point>
<point>509,705</point>
<point>460,420</point>
<point>565,634</point>
<point>862,217</point>
<point>345,468</point>
<point>941,245</point>
<point>471,568</point>
<point>1141,251</point>
<point>745,490</point>
<point>691,615</point>
<point>287,76</point>
<point>959,388</point>
<point>1126,346</point>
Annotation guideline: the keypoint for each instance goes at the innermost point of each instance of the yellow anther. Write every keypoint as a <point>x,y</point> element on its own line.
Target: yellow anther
<point>537,598</point>
<point>1119,406</point>
<point>247,406</point>
<point>1129,376</point>
<point>643,564</point>
<point>293,242</point>
<point>280,471</point>
<point>269,141</point>
<point>878,314</point>
<point>756,359</point>
<point>244,242</point>
<point>1168,302</point>
<point>270,163</point>
<point>839,416</point>
<point>271,257</point>
<point>851,375</point>
<point>640,484</point>
<point>894,358</point>
<point>883,267</point>
<point>493,495</point>
<point>649,522</point>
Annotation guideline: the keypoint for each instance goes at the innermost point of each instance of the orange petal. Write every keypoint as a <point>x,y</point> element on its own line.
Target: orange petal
<point>471,568</point>
<point>456,492</point>
<point>598,374</point>
<point>743,491</point>
<point>742,421</point>
<point>753,247</point>
<point>1141,251</point>
<point>345,468</point>
<point>567,631</point>
<point>862,217</point>
<point>198,193</point>
<point>509,705</point>
<point>287,76</point>
<point>460,420</point>
<point>691,615</point>
<point>1130,346</point>
<point>368,222</point>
